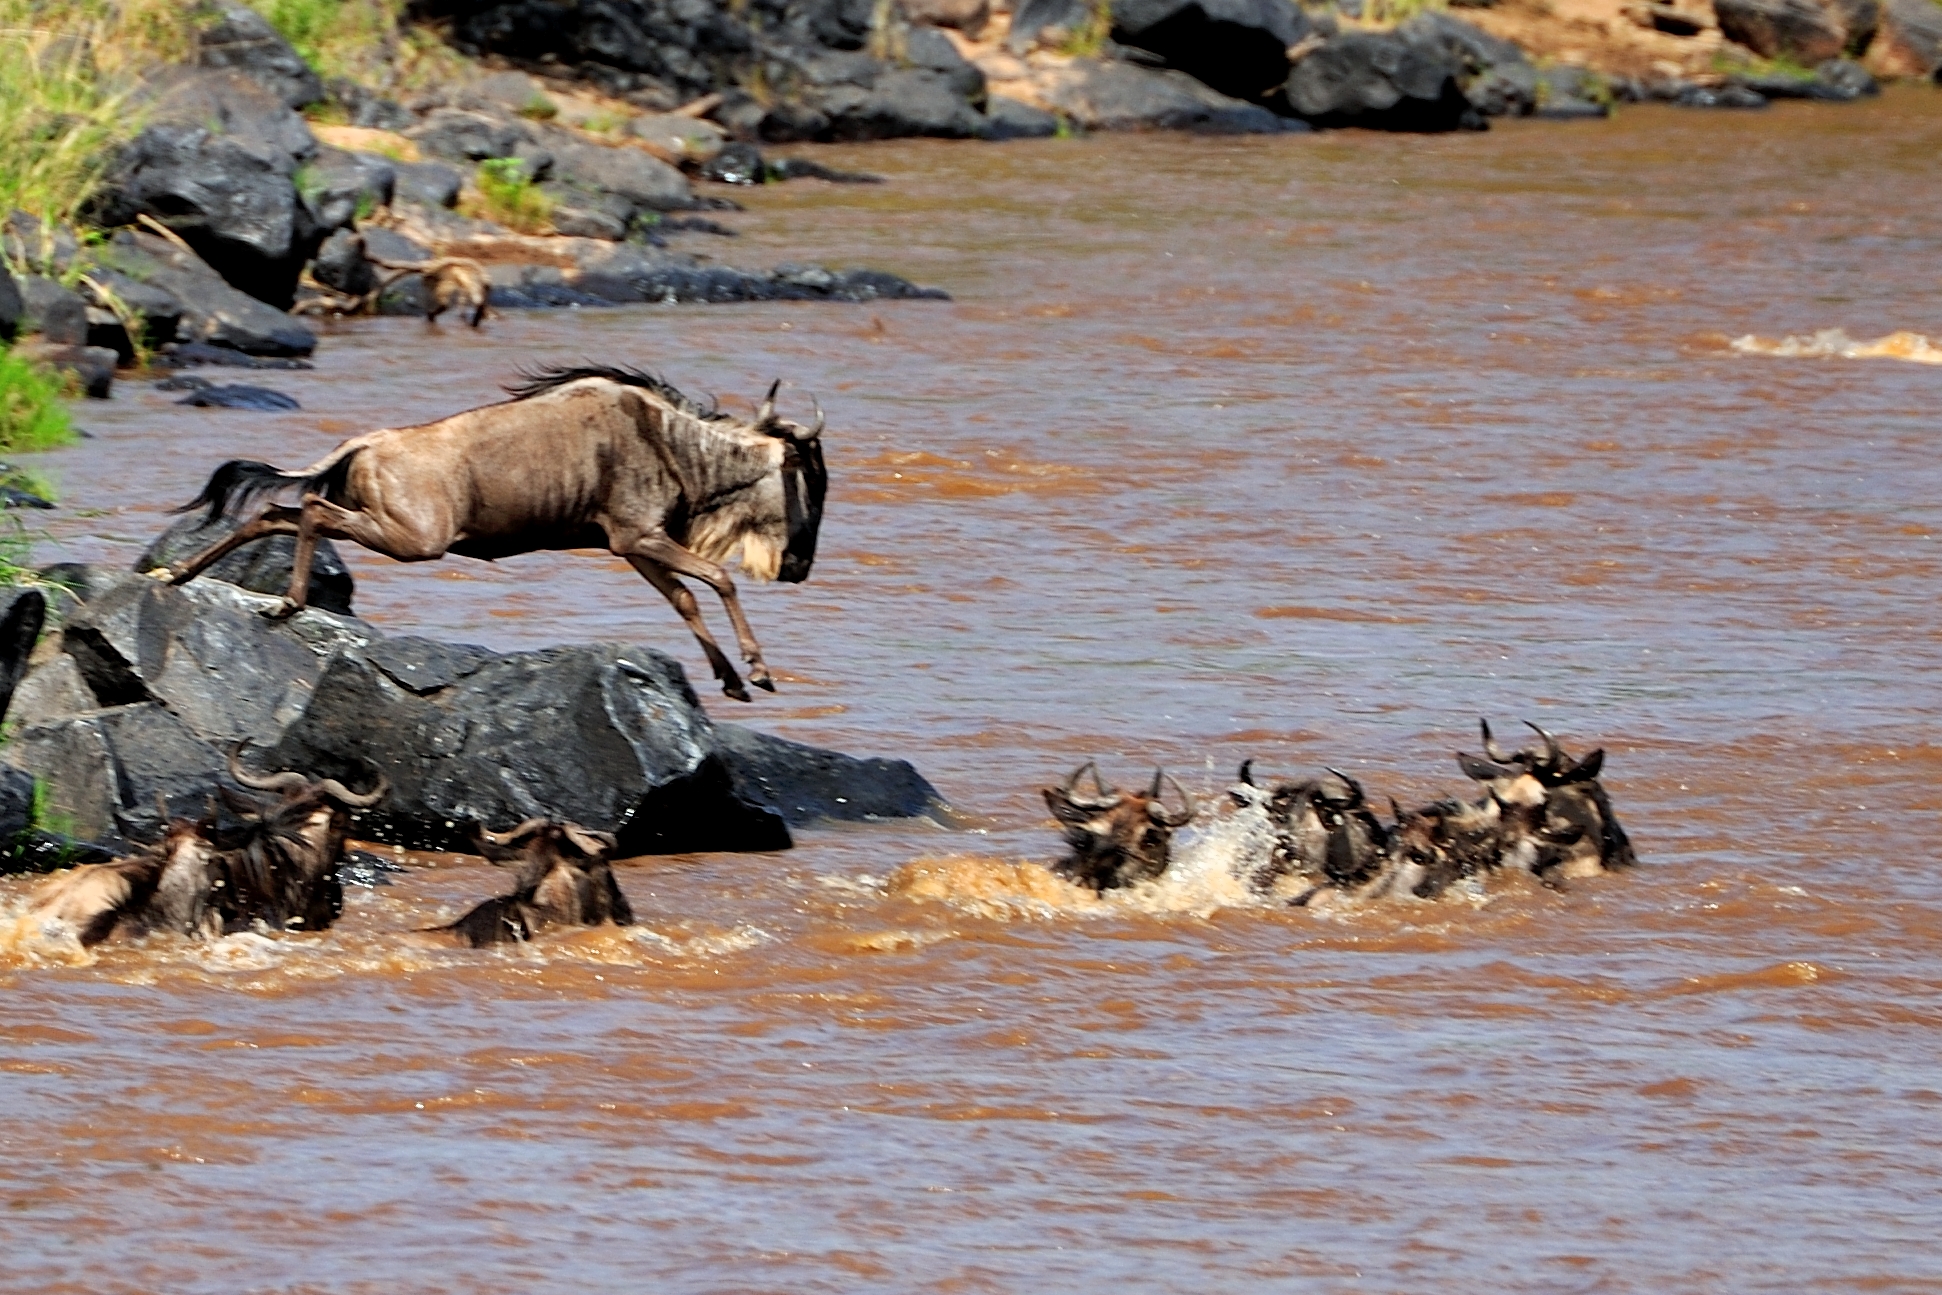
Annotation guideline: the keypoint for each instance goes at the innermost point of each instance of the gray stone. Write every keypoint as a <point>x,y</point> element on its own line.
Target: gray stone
<point>1908,39</point>
<point>1382,80</point>
<point>104,769</point>
<point>20,627</point>
<point>1011,119</point>
<point>342,187</point>
<point>1033,19</point>
<point>1120,96</point>
<point>12,308</point>
<point>1239,47</point>
<point>242,39</point>
<point>430,184</point>
<point>1496,77</point>
<point>51,690</point>
<point>1806,31</point>
<point>261,566</point>
<point>159,313</point>
<point>59,315</point>
<point>806,784</point>
<point>211,310</point>
<point>630,173</point>
<point>932,50</point>
<point>92,367</point>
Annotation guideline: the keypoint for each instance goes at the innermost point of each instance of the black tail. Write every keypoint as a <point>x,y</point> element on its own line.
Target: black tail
<point>237,484</point>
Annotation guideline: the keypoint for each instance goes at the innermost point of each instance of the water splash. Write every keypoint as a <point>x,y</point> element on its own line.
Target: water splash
<point>1833,344</point>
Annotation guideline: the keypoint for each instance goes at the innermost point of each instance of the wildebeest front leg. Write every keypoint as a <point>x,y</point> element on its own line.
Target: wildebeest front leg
<point>661,549</point>
<point>685,606</point>
<point>274,520</point>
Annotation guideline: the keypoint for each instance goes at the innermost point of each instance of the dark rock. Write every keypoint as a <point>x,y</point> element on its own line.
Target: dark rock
<point>1033,19</point>
<point>625,273</point>
<point>20,627</point>
<point>187,355</point>
<point>216,165</point>
<point>579,214</point>
<point>806,784</point>
<point>103,770</point>
<point>57,314</point>
<point>211,310</point>
<point>932,51</point>
<point>362,868</point>
<point>1567,93</point>
<point>430,184</point>
<point>342,187</point>
<point>159,313</point>
<point>1496,77</point>
<point>647,182</point>
<point>1119,96</point>
<point>1239,47</point>
<point>261,566</point>
<point>1838,80</point>
<point>260,399</point>
<point>243,39</point>
<point>968,16</point>
<point>736,163</point>
<point>341,264</point>
<point>1908,39</point>
<point>461,135</point>
<point>92,367</point>
<point>12,308</point>
<point>802,168</point>
<point>1720,96</point>
<point>13,496</point>
<point>365,107</point>
<point>608,737</point>
<point>1380,80</point>
<point>106,331</point>
<point>1011,119</point>
<point>1807,31</point>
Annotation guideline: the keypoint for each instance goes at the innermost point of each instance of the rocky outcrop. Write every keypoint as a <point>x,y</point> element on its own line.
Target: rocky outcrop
<point>187,299</point>
<point>218,165</point>
<point>1385,81</point>
<point>261,566</point>
<point>1805,31</point>
<point>57,314</point>
<point>1238,47</point>
<point>1096,95</point>
<point>242,40</point>
<point>1908,39</point>
<point>152,684</point>
<point>1496,77</point>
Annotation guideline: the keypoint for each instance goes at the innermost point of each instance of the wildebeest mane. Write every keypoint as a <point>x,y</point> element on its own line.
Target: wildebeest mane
<point>539,381</point>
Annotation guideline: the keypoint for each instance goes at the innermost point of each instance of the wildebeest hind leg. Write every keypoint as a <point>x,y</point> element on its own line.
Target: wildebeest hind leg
<point>662,550</point>
<point>274,520</point>
<point>318,516</point>
<point>685,606</point>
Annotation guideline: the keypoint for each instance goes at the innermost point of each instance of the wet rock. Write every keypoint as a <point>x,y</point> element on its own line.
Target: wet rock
<point>802,168</point>
<point>626,273</point>
<point>216,165</point>
<point>341,186</point>
<point>1383,81</point>
<point>243,40</point>
<point>931,50</point>
<point>736,164</point>
<point>1567,93</point>
<point>1720,96</point>
<point>188,355</point>
<point>158,312</point>
<point>261,566</point>
<point>1496,77</point>
<point>50,691</point>
<point>361,106</point>
<point>834,95</point>
<point>1239,47</point>
<point>211,311</point>
<point>806,784</point>
<point>91,367</point>
<point>648,183</point>
<point>1120,96</point>
<point>341,264</point>
<point>464,135</point>
<point>1807,31</point>
<point>12,307</point>
<point>236,396</point>
<point>20,627</point>
<point>1011,119</point>
<point>430,184</point>
<point>57,314</point>
<point>1908,39</point>
<point>1049,20</point>
<point>608,737</point>
<point>686,140</point>
<point>1838,80</point>
<point>104,769</point>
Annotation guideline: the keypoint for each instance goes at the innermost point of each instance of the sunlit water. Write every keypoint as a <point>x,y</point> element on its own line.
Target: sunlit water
<point>1307,449</point>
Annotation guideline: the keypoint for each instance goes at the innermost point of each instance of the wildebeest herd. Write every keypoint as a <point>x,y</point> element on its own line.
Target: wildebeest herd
<point>1542,813</point>
<point>612,458</point>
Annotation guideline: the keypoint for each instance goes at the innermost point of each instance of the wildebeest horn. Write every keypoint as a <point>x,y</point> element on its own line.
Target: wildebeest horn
<point>767,411</point>
<point>1355,788</point>
<point>1490,747</point>
<point>162,803</point>
<point>1552,751</point>
<point>261,781</point>
<point>1247,771</point>
<point>349,799</point>
<point>1158,812</point>
<point>507,838</point>
<point>817,430</point>
<point>1395,811</point>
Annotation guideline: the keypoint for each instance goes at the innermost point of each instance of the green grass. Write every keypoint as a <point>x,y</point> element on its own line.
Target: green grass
<point>33,407</point>
<point>508,195</point>
<point>1089,37</point>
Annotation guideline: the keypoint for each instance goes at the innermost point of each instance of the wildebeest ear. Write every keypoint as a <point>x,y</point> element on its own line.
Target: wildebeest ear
<point>1062,807</point>
<point>1483,770</point>
<point>1588,768</point>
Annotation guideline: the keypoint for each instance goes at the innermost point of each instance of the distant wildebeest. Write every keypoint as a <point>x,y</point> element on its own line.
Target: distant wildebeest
<point>1117,838</point>
<point>590,457</point>
<point>449,281</point>
<point>1575,832</point>
<point>566,878</point>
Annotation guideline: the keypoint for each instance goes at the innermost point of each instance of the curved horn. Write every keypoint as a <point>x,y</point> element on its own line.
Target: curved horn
<point>1395,811</point>
<point>1490,747</point>
<point>1247,771</point>
<point>507,838</point>
<point>767,411</point>
<point>1071,784</point>
<point>261,781</point>
<point>1158,813</point>
<point>817,430</point>
<point>1355,788</point>
<point>1153,792</point>
<point>1552,751</point>
<point>1482,770</point>
<point>349,799</point>
<point>592,844</point>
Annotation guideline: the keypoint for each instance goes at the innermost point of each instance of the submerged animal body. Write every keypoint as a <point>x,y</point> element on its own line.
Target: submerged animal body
<point>169,886</point>
<point>1116,838</point>
<point>590,457</point>
<point>566,878</point>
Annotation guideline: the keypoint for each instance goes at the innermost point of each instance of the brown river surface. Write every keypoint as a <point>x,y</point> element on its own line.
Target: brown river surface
<point>1312,449</point>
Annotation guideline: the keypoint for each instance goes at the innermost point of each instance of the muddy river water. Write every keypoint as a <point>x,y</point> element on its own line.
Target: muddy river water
<point>1307,449</point>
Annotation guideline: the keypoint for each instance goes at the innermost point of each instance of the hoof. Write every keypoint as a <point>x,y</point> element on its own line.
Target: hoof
<point>736,691</point>
<point>763,682</point>
<point>283,611</point>
<point>161,573</point>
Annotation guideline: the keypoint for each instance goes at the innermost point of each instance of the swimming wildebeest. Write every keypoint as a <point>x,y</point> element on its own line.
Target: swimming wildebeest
<point>168,886</point>
<point>1576,833</point>
<point>566,878</point>
<point>1117,838</point>
<point>590,457</point>
<point>1320,836</point>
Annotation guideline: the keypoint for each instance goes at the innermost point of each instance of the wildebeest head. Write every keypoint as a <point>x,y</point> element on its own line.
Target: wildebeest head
<point>566,878</point>
<point>166,886</point>
<point>804,482</point>
<point>1117,838</point>
<point>283,862</point>
<point>1558,805</point>
<point>1323,830</point>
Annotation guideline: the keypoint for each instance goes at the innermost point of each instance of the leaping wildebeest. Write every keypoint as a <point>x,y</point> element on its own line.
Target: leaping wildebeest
<point>588,457</point>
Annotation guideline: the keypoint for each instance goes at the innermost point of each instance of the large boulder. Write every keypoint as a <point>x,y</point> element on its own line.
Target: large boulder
<point>208,309</point>
<point>12,308</point>
<point>1908,39</point>
<point>342,187</point>
<point>243,40</point>
<point>1120,96</point>
<point>806,784</point>
<point>217,164</point>
<point>641,181</point>
<point>1805,31</point>
<point>1036,20</point>
<point>261,566</point>
<point>20,627</point>
<point>848,95</point>
<point>1239,47</point>
<point>1381,80</point>
<point>1497,79</point>
<point>58,314</point>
